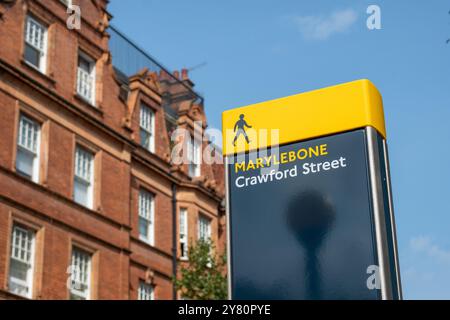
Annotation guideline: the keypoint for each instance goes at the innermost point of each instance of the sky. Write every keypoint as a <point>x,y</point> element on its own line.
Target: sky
<point>244,52</point>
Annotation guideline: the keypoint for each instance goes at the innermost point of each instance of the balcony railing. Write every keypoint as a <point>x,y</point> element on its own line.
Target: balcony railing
<point>129,59</point>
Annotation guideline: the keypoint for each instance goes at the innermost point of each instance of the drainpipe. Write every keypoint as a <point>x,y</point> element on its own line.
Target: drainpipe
<point>174,238</point>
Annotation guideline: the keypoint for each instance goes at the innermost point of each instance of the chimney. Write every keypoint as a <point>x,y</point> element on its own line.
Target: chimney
<point>184,74</point>
<point>185,77</point>
<point>163,75</point>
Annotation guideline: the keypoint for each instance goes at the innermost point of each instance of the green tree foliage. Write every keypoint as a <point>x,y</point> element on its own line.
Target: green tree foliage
<point>203,277</point>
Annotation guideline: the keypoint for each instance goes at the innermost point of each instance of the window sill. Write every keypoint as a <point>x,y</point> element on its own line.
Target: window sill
<point>27,178</point>
<point>147,242</point>
<point>185,259</point>
<point>166,252</point>
<point>195,178</point>
<point>15,296</point>
<point>86,102</point>
<point>65,6</point>
<point>147,150</point>
<point>90,208</point>
<point>38,71</point>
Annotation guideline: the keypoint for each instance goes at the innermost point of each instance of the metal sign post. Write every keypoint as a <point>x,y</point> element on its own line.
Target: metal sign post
<point>310,212</point>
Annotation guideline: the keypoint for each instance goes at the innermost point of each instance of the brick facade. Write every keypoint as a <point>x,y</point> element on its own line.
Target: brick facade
<point>109,127</point>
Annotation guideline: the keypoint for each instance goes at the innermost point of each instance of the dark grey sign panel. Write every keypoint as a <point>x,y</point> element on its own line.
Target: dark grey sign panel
<point>311,232</point>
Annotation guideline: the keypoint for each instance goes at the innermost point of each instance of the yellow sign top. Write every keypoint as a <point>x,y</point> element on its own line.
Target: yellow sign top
<point>303,116</point>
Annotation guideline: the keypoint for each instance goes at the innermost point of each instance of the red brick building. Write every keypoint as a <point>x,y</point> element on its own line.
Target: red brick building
<point>89,194</point>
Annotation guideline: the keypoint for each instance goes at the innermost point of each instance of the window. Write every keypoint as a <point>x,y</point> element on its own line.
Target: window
<point>146,291</point>
<point>194,157</point>
<point>204,227</point>
<point>21,261</point>
<point>147,123</point>
<point>183,233</point>
<point>86,78</point>
<point>83,178</point>
<point>124,93</point>
<point>80,275</point>
<point>146,216</point>
<point>68,3</point>
<point>35,43</point>
<point>27,158</point>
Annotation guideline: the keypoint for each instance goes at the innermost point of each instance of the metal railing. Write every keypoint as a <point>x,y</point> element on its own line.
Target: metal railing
<point>129,59</point>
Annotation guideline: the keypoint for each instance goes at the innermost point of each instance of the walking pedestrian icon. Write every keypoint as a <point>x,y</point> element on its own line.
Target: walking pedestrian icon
<point>240,125</point>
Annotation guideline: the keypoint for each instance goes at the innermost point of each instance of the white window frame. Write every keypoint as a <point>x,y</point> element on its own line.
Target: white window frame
<point>194,157</point>
<point>204,224</point>
<point>67,3</point>
<point>89,181</point>
<point>146,291</point>
<point>183,233</point>
<point>31,261</point>
<point>147,214</point>
<point>147,125</point>
<point>87,91</point>
<point>76,276</point>
<point>23,144</point>
<point>42,48</point>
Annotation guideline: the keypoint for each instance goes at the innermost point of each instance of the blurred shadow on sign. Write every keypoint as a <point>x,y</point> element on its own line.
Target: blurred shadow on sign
<point>248,290</point>
<point>310,218</point>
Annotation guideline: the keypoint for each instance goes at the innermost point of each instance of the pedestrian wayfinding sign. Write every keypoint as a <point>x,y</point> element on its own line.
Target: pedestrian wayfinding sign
<point>310,213</point>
